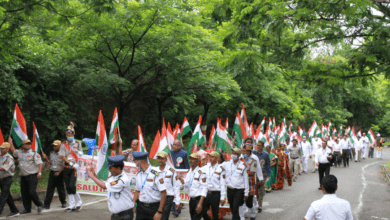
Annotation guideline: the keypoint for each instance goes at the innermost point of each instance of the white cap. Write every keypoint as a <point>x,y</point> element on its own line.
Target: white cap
<point>378,135</point>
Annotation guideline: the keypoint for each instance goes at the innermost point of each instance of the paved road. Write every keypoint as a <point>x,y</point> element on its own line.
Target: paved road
<point>361,184</point>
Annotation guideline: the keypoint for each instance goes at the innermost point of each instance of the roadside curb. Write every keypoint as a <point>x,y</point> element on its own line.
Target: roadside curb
<point>386,172</point>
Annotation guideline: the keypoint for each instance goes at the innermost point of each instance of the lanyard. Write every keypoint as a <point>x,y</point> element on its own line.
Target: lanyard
<point>144,180</point>
<point>193,176</point>
<point>231,167</point>
<point>55,159</point>
<point>26,154</point>
<point>213,172</point>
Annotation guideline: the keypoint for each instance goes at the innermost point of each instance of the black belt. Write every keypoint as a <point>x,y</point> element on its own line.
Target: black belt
<point>294,158</point>
<point>213,192</point>
<point>170,196</point>
<point>149,204</point>
<point>195,198</point>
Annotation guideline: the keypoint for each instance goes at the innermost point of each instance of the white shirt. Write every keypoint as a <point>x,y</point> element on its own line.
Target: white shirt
<point>344,144</point>
<point>358,144</point>
<point>259,170</point>
<point>215,178</point>
<point>119,193</point>
<point>153,184</point>
<point>330,207</point>
<point>196,182</point>
<point>365,141</point>
<point>236,176</point>
<point>330,143</point>
<point>322,155</point>
<point>306,146</point>
<point>336,147</point>
<point>316,144</point>
<point>171,183</point>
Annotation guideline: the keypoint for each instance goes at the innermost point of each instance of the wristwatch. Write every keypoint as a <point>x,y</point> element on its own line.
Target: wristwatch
<point>160,212</point>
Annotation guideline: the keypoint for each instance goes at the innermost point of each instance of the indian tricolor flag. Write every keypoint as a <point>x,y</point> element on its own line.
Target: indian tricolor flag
<point>262,125</point>
<point>352,135</point>
<point>102,143</point>
<point>341,129</point>
<point>170,136</point>
<point>240,130</point>
<point>282,133</point>
<point>359,133</point>
<point>291,127</point>
<point>197,138</point>
<point>227,127</point>
<point>1,138</point>
<point>114,130</point>
<point>313,129</point>
<point>141,142</point>
<point>223,141</point>
<point>164,145</point>
<point>155,145</point>
<point>212,137</point>
<point>36,143</point>
<point>329,131</point>
<point>371,136</point>
<point>19,128</point>
<point>185,127</point>
<point>324,130</point>
<point>244,119</point>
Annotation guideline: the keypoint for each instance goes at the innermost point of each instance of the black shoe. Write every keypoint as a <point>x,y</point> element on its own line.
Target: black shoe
<point>294,180</point>
<point>78,208</point>
<point>13,214</point>
<point>175,214</point>
<point>253,218</point>
<point>46,207</point>
<point>40,209</point>
<point>25,212</point>
<point>268,191</point>
<point>259,210</point>
<point>70,210</point>
<point>63,205</point>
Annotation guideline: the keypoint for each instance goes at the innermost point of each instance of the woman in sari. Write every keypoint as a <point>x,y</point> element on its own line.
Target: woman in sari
<point>283,169</point>
<point>274,170</point>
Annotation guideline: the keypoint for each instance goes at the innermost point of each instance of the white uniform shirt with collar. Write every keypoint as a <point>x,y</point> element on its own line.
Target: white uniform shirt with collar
<point>215,178</point>
<point>322,155</point>
<point>358,144</point>
<point>171,183</point>
<point>365,141</point>
<point>306,147</point>
<point>330,207</point>
<point>336,147</point>
<point>119,193</point>
<point>344,144</point>
<point>330,143</point>
<point>316,144</point>
<point>196,182</point>
<point>153,184</point>
<point>350,144</point>
<point>236,176</point>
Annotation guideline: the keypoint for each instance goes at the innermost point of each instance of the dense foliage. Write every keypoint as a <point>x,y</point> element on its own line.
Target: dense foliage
<point>306,60</point>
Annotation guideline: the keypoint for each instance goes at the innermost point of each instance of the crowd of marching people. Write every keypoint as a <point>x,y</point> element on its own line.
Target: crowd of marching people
<point>241,168</point>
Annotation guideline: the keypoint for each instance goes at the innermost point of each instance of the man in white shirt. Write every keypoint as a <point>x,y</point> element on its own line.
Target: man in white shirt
<point>365,141</point>
<point>358,148</point>
<point>337,152</point>
<point>344,145</point>
<point>118,189</point>
<point>322,156</point>
<point>237,182</point>
<point>316,144</point>
<point>330,207</point>
<point>306,147</point>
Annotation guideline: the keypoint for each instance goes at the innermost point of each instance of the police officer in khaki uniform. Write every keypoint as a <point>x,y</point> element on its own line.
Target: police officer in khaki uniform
<point>150,191</point>
<point>70,151</point>
<point>7,169</point>
<point>30,165</point>
<point>56,177</point>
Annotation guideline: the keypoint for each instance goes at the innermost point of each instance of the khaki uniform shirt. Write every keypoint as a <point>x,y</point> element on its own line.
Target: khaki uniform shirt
<point>56,162</point>
<point>251,165</point>
<point>28,162</point>
<point>75,146</point>
<point>8,163</point>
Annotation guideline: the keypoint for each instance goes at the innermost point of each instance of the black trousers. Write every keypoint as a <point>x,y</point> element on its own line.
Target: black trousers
<point>146,211</point>
<point>5,196</point>
<point>346,157</point>
<point>55,182</point>
<point>371,152</point>
<point>212,199</point>
<point>235,199</point>
<point>167,207</point>
<point>70,180</point>
<point>125,215</point>
<point>193,204</point>
<point>323,170</point>
<point>28,188</point>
